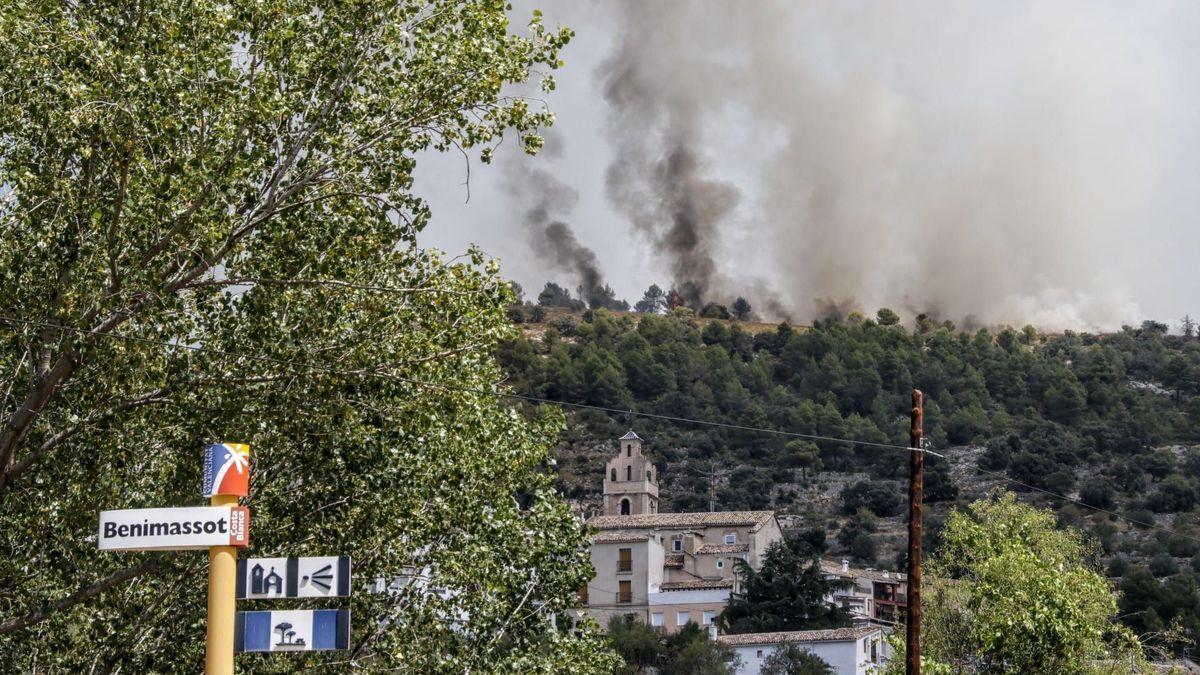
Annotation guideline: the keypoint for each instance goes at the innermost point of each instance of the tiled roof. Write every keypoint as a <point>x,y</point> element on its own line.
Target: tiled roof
<point>829,635</point>
<point>619,537</point>
<point>723,548</point>
<point>698,585</point>
<point>673,560</point>
<point>754,519</point>
<point>832,567</point>
<point>631,436</point>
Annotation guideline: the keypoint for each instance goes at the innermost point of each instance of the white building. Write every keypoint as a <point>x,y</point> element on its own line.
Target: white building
<point>665,569</point>
<point>850,651</point>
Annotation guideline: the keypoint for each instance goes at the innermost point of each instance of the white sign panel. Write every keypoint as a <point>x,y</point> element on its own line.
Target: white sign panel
<point>174,529</point>
<point>316,577</point>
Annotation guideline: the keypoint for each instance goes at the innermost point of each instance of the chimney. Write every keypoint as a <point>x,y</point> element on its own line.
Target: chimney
<point>845,566</point>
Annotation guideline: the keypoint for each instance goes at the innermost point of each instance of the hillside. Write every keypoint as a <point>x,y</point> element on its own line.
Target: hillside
<point>1106,419</point>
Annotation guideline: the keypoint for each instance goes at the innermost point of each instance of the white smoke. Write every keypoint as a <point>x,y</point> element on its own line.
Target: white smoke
<point>973,159</point>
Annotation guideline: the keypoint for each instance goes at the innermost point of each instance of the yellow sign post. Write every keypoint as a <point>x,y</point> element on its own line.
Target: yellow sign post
<point>222,603</point>
<point>226,478</point>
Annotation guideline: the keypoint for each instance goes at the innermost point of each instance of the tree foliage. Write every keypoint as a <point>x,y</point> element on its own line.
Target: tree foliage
<point>209,233</point>
<point>689,651</point>
<point>1010,592</point>
<point>1015,393</point>
<point>788,592</point>
<point>792,659</point>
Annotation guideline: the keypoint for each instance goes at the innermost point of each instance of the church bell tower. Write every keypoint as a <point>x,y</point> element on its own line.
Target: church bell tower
<point>630,481</point>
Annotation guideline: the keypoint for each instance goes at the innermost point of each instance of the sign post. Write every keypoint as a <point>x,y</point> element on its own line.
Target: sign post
<point>223,528</point>
<point>226,478</point>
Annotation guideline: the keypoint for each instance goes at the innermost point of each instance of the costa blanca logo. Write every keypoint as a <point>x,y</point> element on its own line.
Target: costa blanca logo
<point>227,469</point>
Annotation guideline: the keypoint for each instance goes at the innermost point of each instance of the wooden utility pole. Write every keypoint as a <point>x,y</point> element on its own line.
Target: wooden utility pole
<point>916,493</point>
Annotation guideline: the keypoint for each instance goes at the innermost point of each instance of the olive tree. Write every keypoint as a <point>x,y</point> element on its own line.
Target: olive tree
<point>209,233</point>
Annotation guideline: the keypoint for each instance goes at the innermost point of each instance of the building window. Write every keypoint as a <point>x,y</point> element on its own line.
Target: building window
<point>682,618</point>
<point>656,618</point>
<point>710,615</point>
<point>629,472</point>
<point>720,564</point>
<point>759,654</point>
<point>629,449</point>
<point>648,477</point>
<point>677,545</point>
<point>614,475</point>
<point>625,592</point>
<point>583,596</point>
<point>625,560</point>
<point>731,538</point>
<point>624,507</point>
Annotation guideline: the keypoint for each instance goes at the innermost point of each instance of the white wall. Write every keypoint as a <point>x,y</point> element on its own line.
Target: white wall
<point>846,658</point>
<point>654,564</point>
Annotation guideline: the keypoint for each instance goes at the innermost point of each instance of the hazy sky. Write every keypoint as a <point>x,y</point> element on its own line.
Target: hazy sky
<point>1015,162</point>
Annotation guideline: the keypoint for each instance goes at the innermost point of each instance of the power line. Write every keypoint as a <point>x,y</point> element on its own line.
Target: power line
<point>538,399</point>
<point>1131,521</point>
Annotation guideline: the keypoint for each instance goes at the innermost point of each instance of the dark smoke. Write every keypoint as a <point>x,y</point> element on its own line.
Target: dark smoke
<point>837,310</point>
<point>656,177</point>
<point>981,161</point>
<point>548,200</point>
<point>558,244</point>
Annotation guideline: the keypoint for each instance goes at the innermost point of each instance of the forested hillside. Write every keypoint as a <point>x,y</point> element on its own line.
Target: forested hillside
<point>1107,419</point>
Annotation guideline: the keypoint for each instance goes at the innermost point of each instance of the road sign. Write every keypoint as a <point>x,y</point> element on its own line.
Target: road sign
<point>227,469</point>
<point>319,577</point>
<point>298,630</point>
<point>173,529</point>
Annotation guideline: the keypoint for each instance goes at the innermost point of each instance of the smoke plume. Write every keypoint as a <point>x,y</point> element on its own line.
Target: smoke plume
<point>659,185</point>
<point>972,160</point>
<point>547,199</point>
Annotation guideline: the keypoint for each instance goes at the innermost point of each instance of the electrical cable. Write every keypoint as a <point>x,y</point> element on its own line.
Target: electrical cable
<point>585,406</point>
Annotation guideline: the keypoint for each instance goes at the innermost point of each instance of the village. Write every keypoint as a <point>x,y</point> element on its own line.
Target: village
<point>671,569</point>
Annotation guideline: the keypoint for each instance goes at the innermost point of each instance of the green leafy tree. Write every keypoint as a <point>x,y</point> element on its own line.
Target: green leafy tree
<point>792,659</point>
<point>786,593</point>
<point>805,455</point>
<point>741,309</point>
<point>689,651</point>
<point>654,301</point>
<point>639,645</point>
<point>883,499</point>
<point>1009,592</point>
<point>209,232</point>
<point>692,652</point>
<point>553,295</point>
<point>886,317</point>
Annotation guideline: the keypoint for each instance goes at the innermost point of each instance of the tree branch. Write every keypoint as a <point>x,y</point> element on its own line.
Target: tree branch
<point>84,593</point>
<point>57,439</point>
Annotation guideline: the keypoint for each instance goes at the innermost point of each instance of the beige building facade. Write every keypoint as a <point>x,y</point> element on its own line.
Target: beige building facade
<point>630,480</point>
<point>666,569</point>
